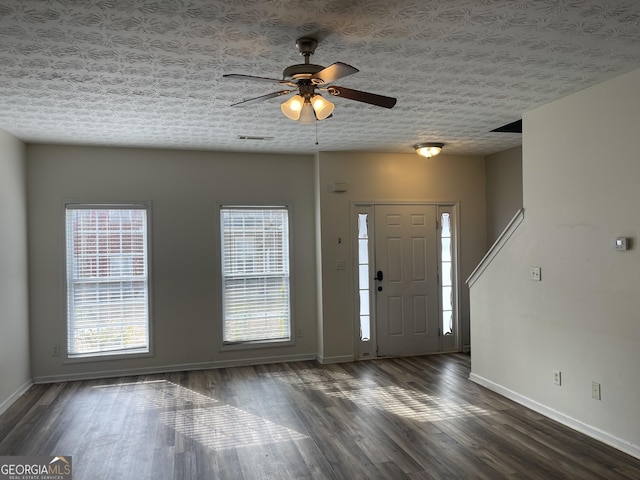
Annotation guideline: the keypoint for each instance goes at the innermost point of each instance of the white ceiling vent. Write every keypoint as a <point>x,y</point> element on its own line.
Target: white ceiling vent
<point>254,137</point>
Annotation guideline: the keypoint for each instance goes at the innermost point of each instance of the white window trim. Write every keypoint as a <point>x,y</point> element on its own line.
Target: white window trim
<point>363,349</point>
<point>451,343</point>
<point>253,345</point>
<point>117,355</point>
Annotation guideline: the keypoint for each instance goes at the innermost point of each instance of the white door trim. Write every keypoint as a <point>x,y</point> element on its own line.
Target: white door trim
<point>367,350</point>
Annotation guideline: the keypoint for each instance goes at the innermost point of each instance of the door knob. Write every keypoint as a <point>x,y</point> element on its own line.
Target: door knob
<point>378,276</point>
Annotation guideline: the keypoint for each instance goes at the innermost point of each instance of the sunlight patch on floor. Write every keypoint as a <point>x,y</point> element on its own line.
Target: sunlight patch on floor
<point>201,418</point>
<point>224,426</point>
<point>399,401</point>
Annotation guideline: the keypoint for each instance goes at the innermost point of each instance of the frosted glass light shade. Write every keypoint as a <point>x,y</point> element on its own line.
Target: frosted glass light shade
<point>307,117</point>
<point>292,108</point>
<point>322,107</point>
<point>428,149</point>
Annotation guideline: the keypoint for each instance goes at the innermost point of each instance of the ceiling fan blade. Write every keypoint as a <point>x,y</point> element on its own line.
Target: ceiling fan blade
<point>261,98</point>
<point>334,72</point>
<point>237,76</point>
<point>371,98</point>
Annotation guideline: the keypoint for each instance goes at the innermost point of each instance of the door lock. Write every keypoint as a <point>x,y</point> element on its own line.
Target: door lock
<point>378,276</point>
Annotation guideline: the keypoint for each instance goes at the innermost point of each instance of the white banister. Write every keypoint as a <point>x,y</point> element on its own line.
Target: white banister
<point>496,247</point>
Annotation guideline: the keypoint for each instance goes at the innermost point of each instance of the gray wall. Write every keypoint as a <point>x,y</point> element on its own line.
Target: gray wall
<point>184,188</point>
<point>390,177</point>
<point>580,188</point>
<point>15,374</point>
<point>504,190</point>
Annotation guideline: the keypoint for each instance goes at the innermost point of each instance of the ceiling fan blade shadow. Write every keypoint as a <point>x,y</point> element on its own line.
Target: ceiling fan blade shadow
<point>357,95</point>
<point>251,101</point>
<point>237,76</point>
<point>334,72</point>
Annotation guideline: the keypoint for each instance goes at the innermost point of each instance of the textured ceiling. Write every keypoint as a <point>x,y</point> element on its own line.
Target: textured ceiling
<point>149,72</point>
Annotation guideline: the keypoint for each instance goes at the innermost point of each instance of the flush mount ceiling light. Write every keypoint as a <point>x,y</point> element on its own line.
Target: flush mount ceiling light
<point>428,149</point>
<point>305,80</point>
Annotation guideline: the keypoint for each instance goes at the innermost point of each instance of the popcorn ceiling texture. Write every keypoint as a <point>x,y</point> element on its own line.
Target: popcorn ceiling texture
<point>149,72</point>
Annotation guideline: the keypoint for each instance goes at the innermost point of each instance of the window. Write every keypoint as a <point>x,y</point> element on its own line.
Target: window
<point>363,277</point>
<point>446,278</point>
<point>255,274</point>
<point>107,279</point>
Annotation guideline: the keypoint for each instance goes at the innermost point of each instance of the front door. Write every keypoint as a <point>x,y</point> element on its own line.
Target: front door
<point>406,279</point>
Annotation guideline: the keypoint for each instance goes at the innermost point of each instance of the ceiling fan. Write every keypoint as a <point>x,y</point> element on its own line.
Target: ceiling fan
<point>306,79</point>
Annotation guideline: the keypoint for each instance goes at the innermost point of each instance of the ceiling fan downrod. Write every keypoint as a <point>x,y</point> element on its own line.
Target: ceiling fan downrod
<point>304,71</point>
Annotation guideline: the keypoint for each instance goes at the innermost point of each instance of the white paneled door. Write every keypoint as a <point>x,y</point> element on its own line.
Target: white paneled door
<point>406,280</point>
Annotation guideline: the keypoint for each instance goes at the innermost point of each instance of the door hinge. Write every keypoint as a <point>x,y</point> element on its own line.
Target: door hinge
<point>437,224</point>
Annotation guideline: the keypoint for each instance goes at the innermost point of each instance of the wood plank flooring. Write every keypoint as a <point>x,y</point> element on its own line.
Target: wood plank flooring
<point>406,418</point>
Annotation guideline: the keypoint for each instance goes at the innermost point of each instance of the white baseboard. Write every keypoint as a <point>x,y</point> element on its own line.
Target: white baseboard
<point>4,406</point>
<point>183,367</point>
<point>560,417</point>
<point>264,360</point>
<point>336,359</point>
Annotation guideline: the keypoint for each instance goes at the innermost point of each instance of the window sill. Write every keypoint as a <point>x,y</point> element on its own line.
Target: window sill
<point>106,357</point>
<point>226,347</point>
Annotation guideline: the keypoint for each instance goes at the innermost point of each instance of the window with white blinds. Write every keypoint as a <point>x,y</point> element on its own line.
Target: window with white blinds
<point>107,279</point>
<point>255,274</point>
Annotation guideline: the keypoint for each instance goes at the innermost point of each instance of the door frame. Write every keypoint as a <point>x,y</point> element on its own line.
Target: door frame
<point>368,350</point>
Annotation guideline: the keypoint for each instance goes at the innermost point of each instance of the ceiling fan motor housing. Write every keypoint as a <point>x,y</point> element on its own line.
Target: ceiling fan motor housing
<point>302,71</point>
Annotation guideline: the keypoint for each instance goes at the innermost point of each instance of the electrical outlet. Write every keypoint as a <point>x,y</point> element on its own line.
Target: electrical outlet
<point>595,391</point>
<point>557,377</point>
<point>55,351</point>
<point>535,274</point>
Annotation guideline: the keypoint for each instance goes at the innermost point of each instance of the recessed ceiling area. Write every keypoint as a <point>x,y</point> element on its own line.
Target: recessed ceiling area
<point>149,73</point>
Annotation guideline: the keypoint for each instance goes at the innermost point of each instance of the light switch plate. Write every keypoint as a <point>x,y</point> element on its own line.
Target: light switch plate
<point>536,274</point>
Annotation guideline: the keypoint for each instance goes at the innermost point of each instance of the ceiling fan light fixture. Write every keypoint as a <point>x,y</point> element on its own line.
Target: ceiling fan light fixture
<point>428,149</point>
<point>292,108</point>
<point>322,107</point>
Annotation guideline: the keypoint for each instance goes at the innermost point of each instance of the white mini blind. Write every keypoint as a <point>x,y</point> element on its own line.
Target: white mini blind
<point>107,280</point>
<point>255,272</point>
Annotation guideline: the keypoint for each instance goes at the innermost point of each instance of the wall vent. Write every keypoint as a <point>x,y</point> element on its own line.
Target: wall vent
<point>254,137</point>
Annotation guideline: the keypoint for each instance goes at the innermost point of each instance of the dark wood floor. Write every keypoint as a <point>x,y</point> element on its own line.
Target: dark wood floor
<point>409,418</point>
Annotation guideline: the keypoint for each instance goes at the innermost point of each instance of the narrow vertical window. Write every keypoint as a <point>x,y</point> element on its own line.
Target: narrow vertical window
<point>446,277</point>
<point>107,280</point>
<point>363,277</point>
<point>255,274</point>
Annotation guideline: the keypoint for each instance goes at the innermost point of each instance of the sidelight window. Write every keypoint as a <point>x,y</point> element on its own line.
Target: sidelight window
<point>363,277</point>
<point>446,277</point>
